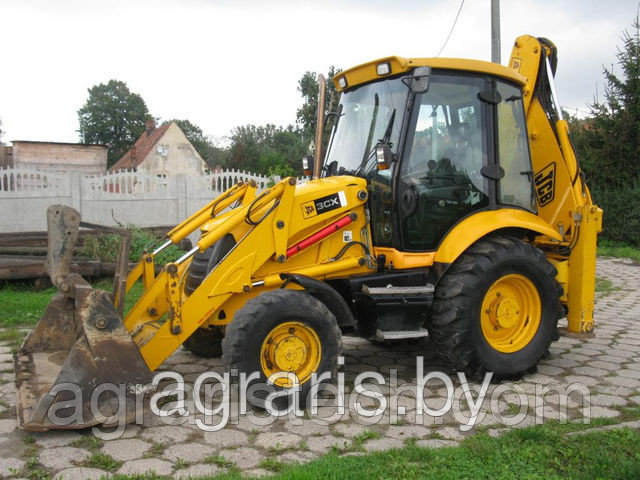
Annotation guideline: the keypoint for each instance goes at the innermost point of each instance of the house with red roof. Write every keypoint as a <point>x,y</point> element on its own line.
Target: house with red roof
<point>162,151</point>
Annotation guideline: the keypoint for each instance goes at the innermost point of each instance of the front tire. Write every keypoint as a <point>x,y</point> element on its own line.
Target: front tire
<point>283,331</point>
<point>496,309</point>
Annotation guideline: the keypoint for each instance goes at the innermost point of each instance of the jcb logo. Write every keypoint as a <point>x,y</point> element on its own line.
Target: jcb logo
<point>545,183</point>
<point>308,210</point>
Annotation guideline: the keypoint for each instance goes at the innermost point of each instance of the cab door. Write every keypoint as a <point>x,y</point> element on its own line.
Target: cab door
<point>440,179</point>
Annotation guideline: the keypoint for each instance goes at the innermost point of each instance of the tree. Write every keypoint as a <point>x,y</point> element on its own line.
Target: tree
<point>608,144</point>
<point>246,142</point>
<point>113,116</point>
<point>610,138</point>
<point>307,114</point>
<point>267,149</point>
<point>217,156</point>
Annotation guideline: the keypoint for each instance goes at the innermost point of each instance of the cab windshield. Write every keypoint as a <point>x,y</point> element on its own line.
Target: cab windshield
<point>366,115</point>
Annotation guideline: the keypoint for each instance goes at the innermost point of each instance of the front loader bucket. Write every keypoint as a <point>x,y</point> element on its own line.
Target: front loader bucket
<point>79,366</point>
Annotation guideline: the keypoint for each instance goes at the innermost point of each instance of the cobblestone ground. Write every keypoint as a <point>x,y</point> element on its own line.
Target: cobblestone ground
<point>606,367</point>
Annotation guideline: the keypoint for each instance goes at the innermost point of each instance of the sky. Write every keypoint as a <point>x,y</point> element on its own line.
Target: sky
<point>225,63</point>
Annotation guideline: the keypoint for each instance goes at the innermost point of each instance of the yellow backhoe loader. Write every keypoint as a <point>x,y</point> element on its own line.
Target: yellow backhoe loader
<point>449,203</point>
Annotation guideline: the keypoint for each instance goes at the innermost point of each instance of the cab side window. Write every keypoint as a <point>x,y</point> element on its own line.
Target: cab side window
<point>515,188</point>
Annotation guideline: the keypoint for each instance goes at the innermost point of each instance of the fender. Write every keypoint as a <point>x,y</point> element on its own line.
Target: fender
<point>480,224</point>
<point>327,295</point>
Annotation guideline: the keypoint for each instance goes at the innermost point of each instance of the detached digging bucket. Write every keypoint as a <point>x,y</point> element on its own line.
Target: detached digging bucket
<point>79,366</point>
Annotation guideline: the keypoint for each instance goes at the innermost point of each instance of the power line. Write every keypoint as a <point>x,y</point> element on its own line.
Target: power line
<point>452,27</point>
<point>576,109</point>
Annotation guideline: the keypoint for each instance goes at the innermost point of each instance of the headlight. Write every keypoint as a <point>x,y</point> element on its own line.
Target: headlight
<point>383,68</point>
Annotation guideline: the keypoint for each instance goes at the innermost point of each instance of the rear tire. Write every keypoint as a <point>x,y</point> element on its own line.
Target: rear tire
<point>280,328</point>
<point>496,309</point>
<point>203,262</point>
<point>206,342</point>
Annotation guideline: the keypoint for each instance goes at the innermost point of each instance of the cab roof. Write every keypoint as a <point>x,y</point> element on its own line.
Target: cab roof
<point>367,72</point>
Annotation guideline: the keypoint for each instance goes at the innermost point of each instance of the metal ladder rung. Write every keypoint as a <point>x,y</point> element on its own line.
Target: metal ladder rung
<point>391,290</point>
<point>401,334</point>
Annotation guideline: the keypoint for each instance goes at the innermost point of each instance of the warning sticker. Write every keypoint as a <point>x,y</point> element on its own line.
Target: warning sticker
<point>324,204</point>
<point>347,236</point>
<point>516,63</point>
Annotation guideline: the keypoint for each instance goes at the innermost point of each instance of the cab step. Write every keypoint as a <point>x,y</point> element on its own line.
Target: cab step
<point>401,334</point>
<point>427,289</point>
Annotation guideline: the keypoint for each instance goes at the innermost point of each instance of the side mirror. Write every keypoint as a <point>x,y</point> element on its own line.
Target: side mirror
<point>418,82</point>
<point>307,165</point>
<point>384,156</point>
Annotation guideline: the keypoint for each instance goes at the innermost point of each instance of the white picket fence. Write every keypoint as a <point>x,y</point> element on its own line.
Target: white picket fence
<point>24,180</point>
<point>125,197</point>
<point>132,184</point>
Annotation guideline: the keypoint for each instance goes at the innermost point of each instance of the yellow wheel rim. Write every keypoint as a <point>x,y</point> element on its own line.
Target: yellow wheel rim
<point>511,312</point>
<point>291,347</point>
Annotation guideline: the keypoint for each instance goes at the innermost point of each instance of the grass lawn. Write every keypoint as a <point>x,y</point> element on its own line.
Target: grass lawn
<point>533,453</point>
<point>610,249</point>
<point>22,306</point>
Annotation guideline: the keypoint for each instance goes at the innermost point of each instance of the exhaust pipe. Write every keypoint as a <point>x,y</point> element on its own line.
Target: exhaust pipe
<point>322,92</point>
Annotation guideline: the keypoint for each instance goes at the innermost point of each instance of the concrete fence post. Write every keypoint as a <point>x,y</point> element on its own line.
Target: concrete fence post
<point>181,194</point>
<point>76,191</point>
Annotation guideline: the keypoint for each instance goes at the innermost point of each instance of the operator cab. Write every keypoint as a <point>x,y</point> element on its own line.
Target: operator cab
<point>436,139</point>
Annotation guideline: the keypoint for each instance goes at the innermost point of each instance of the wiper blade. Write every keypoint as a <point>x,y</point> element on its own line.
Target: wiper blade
<point>387,133</point>
<point>372,127</point>
<point>385,139</point>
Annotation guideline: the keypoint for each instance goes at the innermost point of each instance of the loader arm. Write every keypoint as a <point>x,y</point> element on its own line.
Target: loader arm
<point>145,268</point>
<point>563,197</point>
<point>274,235</point>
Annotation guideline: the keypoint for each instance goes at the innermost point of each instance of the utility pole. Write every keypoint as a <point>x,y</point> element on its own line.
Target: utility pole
<point>495,31</point>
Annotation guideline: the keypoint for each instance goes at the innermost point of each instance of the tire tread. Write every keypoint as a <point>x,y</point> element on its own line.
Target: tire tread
<point>450,324</point>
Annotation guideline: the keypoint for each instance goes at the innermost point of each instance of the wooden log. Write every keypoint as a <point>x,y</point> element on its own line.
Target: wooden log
<point>25,268</point>
<point>39,239</point>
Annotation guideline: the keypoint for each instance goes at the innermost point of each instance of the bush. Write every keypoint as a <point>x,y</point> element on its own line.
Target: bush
<point>621,219</point>
<point>107,246</point>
